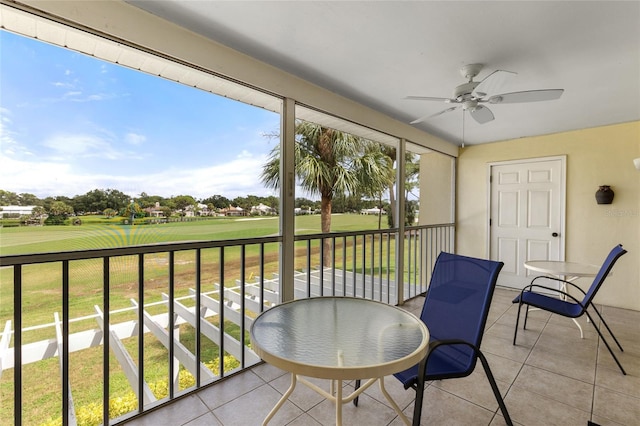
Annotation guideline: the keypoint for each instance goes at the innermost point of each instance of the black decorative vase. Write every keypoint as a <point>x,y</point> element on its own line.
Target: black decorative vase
<point>604,194</point>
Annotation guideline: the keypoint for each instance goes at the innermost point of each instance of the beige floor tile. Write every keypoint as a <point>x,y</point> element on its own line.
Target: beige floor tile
<point>630,361</point>
<point>267,372</point>
<point>442,408</point>
<point>556,387</point>
<point>498,420</point>
<point>207,419</point>
<point>530,409</point>
<point>474,388</point>
<point>229,389</point>
<point>610,377</point>
<point>253,407</point>
<point>504,369</point>
<point>615,406</point>
<point>397,391</point>
<point>368,412</point>
<point>302,396</point>
<point>505,348</point>
<point>177,413</point>
<point>562,364</point>
<point>601,421</point>
<point>304,420</point>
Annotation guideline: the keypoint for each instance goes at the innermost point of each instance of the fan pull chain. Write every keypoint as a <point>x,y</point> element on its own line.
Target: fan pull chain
<point>463,111</point>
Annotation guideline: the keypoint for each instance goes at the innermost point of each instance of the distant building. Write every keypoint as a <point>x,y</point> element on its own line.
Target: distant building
<point>233,211</point>
<point>155,211</point>
<point>261,209</point>
<point>373,210</point>
<point>16,211</point>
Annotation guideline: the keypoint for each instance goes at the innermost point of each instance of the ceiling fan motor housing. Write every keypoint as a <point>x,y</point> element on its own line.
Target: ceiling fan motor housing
<point>464,91</point>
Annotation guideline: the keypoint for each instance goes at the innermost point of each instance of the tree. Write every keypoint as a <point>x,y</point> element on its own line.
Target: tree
<point>166,211</point>
<point>27,199</point>
<point>38,212</point>
<point>8,198</point>
<point>58,212</point>
<point>272,202</point>
<point>60,208</point>
<point>116,199</point>
<point>330,162</point>
<point>181,202</point>
<point>147,201</point>
<point>132,210</point>
<point>109,213</point>
<point>412,172</point>
<point>218,201</point>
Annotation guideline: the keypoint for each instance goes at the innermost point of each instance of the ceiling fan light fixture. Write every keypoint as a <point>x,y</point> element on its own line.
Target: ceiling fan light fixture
<point>470,105</point>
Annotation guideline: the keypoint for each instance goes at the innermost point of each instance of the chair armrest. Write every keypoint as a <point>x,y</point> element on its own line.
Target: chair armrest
<point>422,365</point>
<point>531,286</point>
<point>560,280</point>
<point>434,344</point>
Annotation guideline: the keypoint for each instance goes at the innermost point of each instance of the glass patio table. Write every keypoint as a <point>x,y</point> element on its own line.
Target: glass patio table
<point>339,338</point>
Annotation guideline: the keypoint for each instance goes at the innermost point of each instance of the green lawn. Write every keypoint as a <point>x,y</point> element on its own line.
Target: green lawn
<point>91,235</point>
<point>42,292</point>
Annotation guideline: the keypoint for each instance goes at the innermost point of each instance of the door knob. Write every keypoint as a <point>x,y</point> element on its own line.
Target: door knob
<point>555,234</point>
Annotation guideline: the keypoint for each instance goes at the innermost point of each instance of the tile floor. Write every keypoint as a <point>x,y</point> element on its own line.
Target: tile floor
<point>552,377</point>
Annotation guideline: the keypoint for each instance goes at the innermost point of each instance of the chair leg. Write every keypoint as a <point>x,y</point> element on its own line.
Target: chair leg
<point>355,400</point>
<point>607,326</point>
<point>417,406</point>
<point>515,332</point>
<point>526,317</point>
<point>615,358</point>
<point>494,387</point>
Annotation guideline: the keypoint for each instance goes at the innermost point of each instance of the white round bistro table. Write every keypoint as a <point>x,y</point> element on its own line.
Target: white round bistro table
<point>569,271</point>
<point>339,338</point>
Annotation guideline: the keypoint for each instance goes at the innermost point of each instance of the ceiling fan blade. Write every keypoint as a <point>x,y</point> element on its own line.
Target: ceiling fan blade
<point>421,119</point>
<point>481,114</point>
<point>429,98</point>
<point>493,82</point>
<point>527,96</point>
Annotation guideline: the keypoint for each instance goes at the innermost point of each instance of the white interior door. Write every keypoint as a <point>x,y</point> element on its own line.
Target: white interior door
<point>527,209</point>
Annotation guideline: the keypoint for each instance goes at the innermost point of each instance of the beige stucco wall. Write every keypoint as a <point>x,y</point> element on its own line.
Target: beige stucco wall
<point>436,188</point>
<point>597,156</point>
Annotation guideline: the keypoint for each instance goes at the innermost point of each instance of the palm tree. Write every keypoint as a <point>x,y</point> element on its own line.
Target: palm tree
<point>330,162</point>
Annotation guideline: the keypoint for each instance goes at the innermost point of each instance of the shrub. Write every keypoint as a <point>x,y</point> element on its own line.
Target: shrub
<point>55,220</point>
<point>91,414</point>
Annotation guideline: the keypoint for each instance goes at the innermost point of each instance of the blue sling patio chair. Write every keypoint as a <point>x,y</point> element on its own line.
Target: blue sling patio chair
<point>568,305</point>
<point>455,311</point>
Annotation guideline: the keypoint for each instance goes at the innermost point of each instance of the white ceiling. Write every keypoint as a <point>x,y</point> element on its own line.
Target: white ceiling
<point>378,52</point>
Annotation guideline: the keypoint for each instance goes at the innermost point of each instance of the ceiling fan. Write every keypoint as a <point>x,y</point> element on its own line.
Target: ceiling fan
<point>471,95</point>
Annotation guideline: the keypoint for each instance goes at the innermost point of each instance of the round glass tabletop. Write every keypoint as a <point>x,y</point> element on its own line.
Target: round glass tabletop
<point>339,338</point>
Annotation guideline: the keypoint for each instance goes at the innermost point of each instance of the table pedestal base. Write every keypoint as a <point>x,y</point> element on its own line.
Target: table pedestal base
<point>335,395</point>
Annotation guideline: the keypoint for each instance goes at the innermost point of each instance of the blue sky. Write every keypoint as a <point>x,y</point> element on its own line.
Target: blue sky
<point>70,123</point>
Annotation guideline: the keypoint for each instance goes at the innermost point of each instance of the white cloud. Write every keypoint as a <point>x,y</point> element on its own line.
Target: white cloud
<point>8,143</point>
<point>72,94</point>
<point>245,154</point>
<point>135,138</point>
<point>39,178</point>
<point>239,177</point>
<point>85,146</point>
